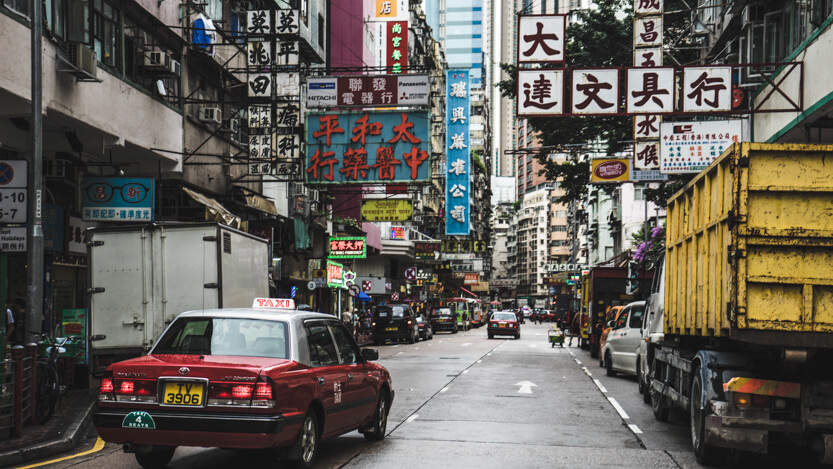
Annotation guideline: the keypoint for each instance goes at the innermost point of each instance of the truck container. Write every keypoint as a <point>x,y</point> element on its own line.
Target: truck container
<point>748,302</point>
<point>142,276</point>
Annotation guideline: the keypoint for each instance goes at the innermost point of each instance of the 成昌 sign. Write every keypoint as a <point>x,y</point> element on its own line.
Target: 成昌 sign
<point>117,199</point>
<point>348,248</point>
<point>367,91</point>
<point>387,209</point>
<point>367,147</point>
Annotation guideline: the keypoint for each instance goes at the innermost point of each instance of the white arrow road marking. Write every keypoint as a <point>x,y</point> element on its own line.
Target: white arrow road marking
<point>526,387</point>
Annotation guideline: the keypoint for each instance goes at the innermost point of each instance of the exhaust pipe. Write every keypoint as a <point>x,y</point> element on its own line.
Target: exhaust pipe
<point>134,448</point>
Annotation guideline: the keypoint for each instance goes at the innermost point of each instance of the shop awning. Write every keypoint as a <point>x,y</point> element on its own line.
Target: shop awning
<point>259,202</point>
<point>470,293</point>
<point>214,211</point>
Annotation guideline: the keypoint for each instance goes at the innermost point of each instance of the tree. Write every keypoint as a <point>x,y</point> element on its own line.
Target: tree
<point>649,252</point>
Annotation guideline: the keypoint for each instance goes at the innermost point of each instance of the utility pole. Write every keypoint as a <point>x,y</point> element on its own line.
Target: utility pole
<point>34,303</point>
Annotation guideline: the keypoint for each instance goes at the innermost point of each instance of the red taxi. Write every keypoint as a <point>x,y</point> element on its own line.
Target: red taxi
<point>265,377</point>
<point>504,323</point>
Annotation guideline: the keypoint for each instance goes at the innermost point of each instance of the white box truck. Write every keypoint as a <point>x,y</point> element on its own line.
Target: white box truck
<point>142,276</point>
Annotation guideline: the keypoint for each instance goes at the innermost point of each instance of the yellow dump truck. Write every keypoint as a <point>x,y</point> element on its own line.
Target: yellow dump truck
<point>748,302</point>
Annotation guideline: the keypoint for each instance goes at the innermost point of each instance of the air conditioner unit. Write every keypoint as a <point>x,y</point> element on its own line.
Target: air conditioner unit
<point>232,126</point>
<point>83,58</point>
<point>315,196</point>
<point>211,114</point>
<point>175,68</point>
<point>749,15</point>
<point>297,189</point>
<point>55,168</point>
<point>157,60</point>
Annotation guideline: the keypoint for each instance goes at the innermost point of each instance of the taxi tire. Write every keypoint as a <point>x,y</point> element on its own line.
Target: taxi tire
<point>306,447</point>
<point>491,336</point>
<point>380,419</point>
<point>157,459</point>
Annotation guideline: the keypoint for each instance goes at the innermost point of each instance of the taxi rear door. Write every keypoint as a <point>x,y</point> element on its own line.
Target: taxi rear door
<point>330,374</point>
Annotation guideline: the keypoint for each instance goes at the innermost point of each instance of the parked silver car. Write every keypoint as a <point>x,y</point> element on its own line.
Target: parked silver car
<point>622,344</point>
<point>652,332</point>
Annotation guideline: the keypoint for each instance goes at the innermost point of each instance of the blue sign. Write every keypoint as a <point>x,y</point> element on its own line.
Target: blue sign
<point>367,147</point>
<point>293,291</point>
<point>117,199</point>
<point>458,162</point>
<point>54,227</point>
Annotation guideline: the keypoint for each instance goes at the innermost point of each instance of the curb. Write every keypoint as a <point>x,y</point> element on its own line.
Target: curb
<point>73,437</point>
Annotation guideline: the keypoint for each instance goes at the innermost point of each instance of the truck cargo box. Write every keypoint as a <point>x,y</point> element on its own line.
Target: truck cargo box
<point>749,248</point>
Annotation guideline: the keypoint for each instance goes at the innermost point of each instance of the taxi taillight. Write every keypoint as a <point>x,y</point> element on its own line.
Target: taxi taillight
<point>134,390</point>
<point>232,394</point>
<point>106,386</point>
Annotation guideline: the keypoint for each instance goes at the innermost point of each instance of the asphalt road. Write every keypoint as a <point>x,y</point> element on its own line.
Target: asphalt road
<point>463,400</point>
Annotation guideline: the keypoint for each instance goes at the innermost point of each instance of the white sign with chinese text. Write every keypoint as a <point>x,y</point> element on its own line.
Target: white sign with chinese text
<point>595,91</point>
<point>688,147</point>
<point>13,239</point>
<point>647,7</point>
<point>707,89</point>
<point>650,90</point>
<point>647,31</point>
<point>287,84</point>
<point>541,38</point>
<point>646,155</point>
<point>646,127</point>
<point>647,57</point>
<point>540,92</point>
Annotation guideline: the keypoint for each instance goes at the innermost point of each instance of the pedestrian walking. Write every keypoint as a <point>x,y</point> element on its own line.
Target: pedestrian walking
<point>347,319</point>
<point>575,329</point>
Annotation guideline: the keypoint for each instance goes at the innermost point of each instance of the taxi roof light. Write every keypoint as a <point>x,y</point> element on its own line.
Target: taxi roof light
<point>273,303</point>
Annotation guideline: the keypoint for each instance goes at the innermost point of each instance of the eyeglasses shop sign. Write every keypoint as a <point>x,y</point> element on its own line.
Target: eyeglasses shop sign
<point>13,239</point>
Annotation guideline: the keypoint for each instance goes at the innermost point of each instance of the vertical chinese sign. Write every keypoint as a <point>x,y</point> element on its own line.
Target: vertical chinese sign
<point>397,46</point>
<point>647,43</point>
<point>458,159</point>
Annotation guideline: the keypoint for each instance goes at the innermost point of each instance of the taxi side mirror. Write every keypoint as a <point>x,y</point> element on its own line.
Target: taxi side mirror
<point>370,354</point>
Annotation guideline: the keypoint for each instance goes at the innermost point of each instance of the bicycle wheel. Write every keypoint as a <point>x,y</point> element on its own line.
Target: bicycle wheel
<point>48,393</point>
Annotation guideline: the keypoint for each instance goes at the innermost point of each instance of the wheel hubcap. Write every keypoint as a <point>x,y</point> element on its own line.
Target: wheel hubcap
<point>383,416</point>
<point>308,439</point>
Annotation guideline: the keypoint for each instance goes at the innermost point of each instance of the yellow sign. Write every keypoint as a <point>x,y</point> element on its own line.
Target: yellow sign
<point>387,210</point>
<point>386,8</point>
<point>605,170</point>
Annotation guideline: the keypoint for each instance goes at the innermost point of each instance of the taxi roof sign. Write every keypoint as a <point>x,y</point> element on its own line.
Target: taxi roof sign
<point>281,303</point>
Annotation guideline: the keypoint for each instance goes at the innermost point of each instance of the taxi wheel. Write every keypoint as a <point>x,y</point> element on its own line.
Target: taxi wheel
<point>307,445</point>
<point>156,459</point>
<point>413,338</point>
<point>491,336</point>
<point>380,419</point>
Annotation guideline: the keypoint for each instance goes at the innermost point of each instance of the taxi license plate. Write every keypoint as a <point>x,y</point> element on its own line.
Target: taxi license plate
<point>183,393</point>
<point>503,324</point>
<point>390,329</point>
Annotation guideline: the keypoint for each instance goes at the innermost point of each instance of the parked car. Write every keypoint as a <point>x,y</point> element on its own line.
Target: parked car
<point>610,320</point>
<point>443,319</point>
<point>504,323</point>
<point>546,315</point>
<point>244,378</point>
<point>623,340</point>
<point>426,332</point>
<point>652,333</point>
<point>394,322</point>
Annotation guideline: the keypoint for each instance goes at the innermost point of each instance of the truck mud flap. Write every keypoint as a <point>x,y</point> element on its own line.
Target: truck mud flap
<point>755,441</point>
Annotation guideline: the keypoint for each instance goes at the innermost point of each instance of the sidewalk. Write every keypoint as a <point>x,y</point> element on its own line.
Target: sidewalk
<point>64,431</point>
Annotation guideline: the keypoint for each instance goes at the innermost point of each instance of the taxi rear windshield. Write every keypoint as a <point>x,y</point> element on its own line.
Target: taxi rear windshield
<point>441,312</point>
<point>225,336</point>
<point>503,317</point>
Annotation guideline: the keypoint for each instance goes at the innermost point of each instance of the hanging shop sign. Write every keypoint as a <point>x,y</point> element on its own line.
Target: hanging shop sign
<point>387,10</point>
<point>117,199</point>
<point>387,209</point>
<point>541,38</point>
<point>397,232</point>
<point>367,147</point>
<point>397,46</point>
<point>348,248</point>
<point>458,161</point>
<point>427,249</point>
<point>335,274</point>
<point>691,146</point>
<point>367,91</point>
<point>604,170</point>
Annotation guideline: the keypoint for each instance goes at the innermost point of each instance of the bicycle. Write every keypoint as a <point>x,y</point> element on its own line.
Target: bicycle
<point>49,386</point>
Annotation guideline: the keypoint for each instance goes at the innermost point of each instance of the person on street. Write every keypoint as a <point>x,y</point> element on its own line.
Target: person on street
<point>347,319</point>
<point>575,329</point>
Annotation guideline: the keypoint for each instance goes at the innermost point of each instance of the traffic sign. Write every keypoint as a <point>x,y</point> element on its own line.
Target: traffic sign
<point>410,274</point>
<point>367,285</point>
<point>354,290</point>
<point>394,296</point>
<point>311,285</point>
<point>14,191</point>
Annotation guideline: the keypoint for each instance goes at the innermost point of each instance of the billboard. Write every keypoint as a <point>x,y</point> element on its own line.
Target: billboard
<point>688,147</point>
<point>351,247</point>
<point>367,91</point>
<point>387,209</point>
<point>458,161</point>
<point>367,147</point>
<point>117,199</point>
<point>605,170</point>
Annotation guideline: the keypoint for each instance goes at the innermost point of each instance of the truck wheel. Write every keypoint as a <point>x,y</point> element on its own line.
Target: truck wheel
<point>657,399</point>
<point>609,365</point>
<point>705,453</point>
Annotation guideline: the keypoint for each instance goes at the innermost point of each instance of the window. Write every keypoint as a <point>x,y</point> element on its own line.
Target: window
<point>346,349</point>
<point>138,43</point>
<point>322,350</point>
<point>639,193</point>
<point>18,6</point>
<point>622,320</point>
<point>320,30</point>
<point>636,316</point>
<point>106,32</point>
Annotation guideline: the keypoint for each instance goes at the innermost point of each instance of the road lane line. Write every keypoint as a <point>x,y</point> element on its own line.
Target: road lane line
<point>397,345</point>
<point>444,389</point>
<point>466,370</point>
<point>416,348</point>
<point>618,408</point>
<point>634,428</point>
<point>600,386</point>
<point>399,353</point>
<point>479,361</point>
<point>412,418</point>
<point>99,445</point>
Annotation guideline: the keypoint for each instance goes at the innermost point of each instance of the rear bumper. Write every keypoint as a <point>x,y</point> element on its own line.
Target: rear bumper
<point>443,326</point>
<point>503,331</point>
<point>382,335</point>
<point>203,429</point>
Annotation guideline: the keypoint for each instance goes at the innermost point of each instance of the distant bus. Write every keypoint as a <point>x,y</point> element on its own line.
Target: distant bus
<point>468,310</point>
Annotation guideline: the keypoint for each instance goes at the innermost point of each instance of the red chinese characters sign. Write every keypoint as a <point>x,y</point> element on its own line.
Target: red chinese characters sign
<point>367,147</point>
<point>348,248</point>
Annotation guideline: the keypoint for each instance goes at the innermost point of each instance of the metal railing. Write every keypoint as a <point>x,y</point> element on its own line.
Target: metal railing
<point>17,390</point>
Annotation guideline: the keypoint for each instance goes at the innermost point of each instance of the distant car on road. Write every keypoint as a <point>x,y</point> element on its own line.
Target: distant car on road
<point>244,378</point>
<point>394,322</point>
<point>426,332</point>
<point>504,323</point>
<point>443,319</point>
<point>610,321</point>
<point>622,345</point>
